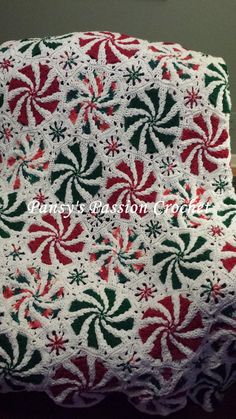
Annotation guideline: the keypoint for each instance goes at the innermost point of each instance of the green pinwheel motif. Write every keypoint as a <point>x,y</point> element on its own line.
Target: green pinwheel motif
<point>229,211</point>
<point>19,365</point>
<point>181,258</point>
<point>216,79</point>
<point>10,214</point>
<point>101,316</point>
<point>152,118</point>
<point>77,173</point>
<point>36,44</point>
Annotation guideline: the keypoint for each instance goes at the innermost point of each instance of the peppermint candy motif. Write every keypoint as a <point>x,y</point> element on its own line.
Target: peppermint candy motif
<point>56,239</point>
<point>94,103</point>
<point>173,60</point>
<point>188,198</point>
<point>152,119</point>
<point>132,185</point>
<point>120,253</point>
<point>33,296</point>
<point>211,386</point>
<point>181,258</point>
<point>146,394</point>
<point>225,323</point>
<point>11,214</point>
<point>229,211</point>
<point>77,172</point>
<point>216,80</point>
<point>33,95</point>
<point>19,363</point>
<point>173,329</point>
<point>82,381</point>
<point>37,45</point>
<point>102,317</point>
<point>27,161</point>
<point>205,142</point>
<point>108,47</point>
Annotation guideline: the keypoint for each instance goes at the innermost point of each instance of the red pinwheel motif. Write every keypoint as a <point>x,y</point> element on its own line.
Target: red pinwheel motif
<point>229,261</point>
<point>82,381</point>
<point>113,45</point>
<point>56,239</point>
<point>134,186</point>
<point>33,94</point>
<point>173,59</point>
<point>205,144</point>
<point>172,329</point>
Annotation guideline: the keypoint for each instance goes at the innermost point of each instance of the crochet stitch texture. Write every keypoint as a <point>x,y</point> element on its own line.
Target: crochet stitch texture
<point>139,301</point>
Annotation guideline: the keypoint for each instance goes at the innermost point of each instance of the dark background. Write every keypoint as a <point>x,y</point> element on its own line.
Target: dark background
<point>39,406</point>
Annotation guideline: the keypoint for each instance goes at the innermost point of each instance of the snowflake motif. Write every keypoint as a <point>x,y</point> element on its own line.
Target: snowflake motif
<point>134,75</point>
<point>220,184</point>
<point>96,218</point>
<point>56,342</point>
<point>199,362</point>
<point>145,292</point>
<point>112,146</point>
<point>57,131</point>
<point>40,197</point>
<point>213,290</point>
<point>78,277</point>
<point>216,231</point>
<point>153,229</point>
<point>131,364</point>
<point>68,60</point>
<point>168,166</point>
<point>6,64</point>
<point>16,253</point>
<point>192,97</point>
<point>6,132</point>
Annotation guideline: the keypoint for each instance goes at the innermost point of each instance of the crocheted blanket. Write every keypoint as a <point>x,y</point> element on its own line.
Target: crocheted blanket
<point>117,222</point>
